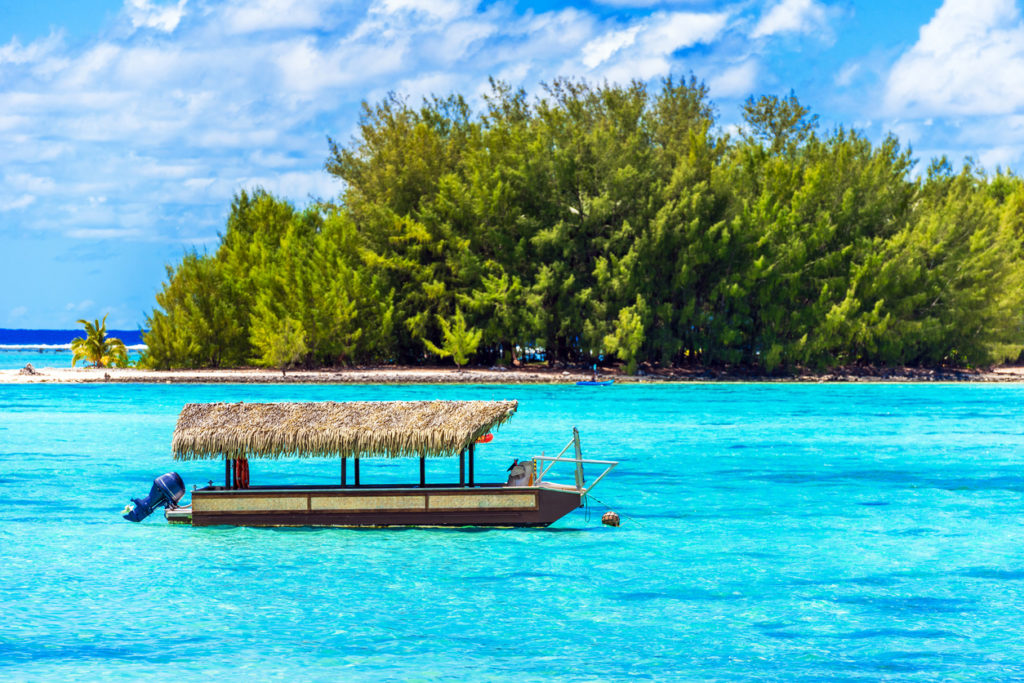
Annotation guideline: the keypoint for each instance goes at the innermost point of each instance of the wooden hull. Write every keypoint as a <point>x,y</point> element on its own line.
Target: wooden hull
<point>481,506</point>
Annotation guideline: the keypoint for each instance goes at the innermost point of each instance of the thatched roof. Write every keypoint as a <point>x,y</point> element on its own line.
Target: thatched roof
<point>328,429</point>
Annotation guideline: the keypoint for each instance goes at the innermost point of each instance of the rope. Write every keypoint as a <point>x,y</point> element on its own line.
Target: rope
<point>590,495</point>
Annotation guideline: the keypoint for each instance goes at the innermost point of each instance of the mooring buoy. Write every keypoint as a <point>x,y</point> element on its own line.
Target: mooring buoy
<point>610,518</point>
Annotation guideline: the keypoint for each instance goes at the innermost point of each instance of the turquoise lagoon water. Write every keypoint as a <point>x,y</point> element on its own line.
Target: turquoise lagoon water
<point>13,359</point>
<point>770,531</point>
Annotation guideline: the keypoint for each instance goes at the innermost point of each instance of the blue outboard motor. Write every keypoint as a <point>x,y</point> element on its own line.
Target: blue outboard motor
<point>166,491</point>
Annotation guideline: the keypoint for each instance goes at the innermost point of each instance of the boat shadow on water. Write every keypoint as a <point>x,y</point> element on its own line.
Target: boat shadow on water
<point>310,529</point>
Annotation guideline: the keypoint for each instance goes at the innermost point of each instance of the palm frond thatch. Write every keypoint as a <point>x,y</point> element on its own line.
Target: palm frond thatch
<point>328,429</point>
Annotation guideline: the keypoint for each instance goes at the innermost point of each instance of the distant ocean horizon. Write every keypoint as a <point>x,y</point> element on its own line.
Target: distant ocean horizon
<point>12,339</point>
<point>52,348</point>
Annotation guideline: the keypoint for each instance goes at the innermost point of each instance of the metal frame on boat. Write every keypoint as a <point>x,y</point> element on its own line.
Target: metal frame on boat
<point>359,430</point>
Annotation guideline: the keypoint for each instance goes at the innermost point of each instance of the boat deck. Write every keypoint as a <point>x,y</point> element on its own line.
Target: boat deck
<point>179,515</point>
<point>378,505</point>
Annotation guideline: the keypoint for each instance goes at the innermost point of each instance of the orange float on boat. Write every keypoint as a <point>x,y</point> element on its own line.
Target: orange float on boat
<point>241,473</point>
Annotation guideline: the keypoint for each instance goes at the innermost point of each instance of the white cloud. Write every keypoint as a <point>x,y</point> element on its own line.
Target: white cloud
<point>437,9</point>
<point>791,16</point>
<point>142,133</point>
<point>15,53</point>
<point>83,305</point>
<point>20,202</point>
<point>147,130</point>
<point>147,14</point>
<point>671,31</point>
<point>425,85</point>
<point>29,183</point>
<point>735,81</point>
<point>90,67</point>
<point>17,312</point>
<point>645,49</point>
<point>908,132</point>
<point>103,233</point>
<point>542,41</point>
<point>306,69</point>
<point>295,184</point>
<point>847,74</point>
<point>248,16</point>
<point>603,47</point>
<point>968,60</point>
<point>650,3</point>
<point>154,168</point>
<point>459,37</point>
<point>1003,156</point>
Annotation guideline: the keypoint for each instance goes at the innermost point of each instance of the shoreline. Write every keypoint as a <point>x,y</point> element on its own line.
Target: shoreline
<point>441,375</point>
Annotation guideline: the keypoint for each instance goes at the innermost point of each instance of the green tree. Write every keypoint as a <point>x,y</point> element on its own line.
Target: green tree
<point>609,219</point>
<point>459,341</point>
<point>279,342</point>
<point>306,265</point>
<point>628,335</point>
<point>952,282</point>
<point>97,348</point>
<point>782,123</point>
<point>202,319</point>
<point>404,178</point>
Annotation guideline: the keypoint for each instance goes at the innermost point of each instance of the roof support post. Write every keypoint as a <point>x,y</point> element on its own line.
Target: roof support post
<point>227,472</point>
<point>462,467</point>
<point>423,471</point>
<point>344,472</point>
<point>580,481</point>
<point>471,464</point>
<point>356,468</point>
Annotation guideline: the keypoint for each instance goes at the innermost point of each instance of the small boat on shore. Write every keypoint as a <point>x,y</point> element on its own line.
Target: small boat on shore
<point>237,432</point>
<point>595,383</point>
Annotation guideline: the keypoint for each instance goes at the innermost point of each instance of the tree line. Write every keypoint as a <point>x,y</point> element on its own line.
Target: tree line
<point>614,222</point>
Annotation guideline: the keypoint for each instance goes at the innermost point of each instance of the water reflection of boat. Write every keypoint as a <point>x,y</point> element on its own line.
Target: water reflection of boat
<point>356,431</point>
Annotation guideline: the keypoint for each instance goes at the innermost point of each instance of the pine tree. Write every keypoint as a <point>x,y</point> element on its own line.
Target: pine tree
<point>459,341</point>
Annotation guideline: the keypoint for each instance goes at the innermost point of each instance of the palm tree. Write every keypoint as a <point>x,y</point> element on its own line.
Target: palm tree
<point>97,348</point>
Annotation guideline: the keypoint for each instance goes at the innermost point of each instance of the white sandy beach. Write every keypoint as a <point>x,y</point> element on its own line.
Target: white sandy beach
<point>65,375</point>
<point>440,375</point>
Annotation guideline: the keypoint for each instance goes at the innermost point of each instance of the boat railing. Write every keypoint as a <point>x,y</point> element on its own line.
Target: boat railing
<point>576,458</point>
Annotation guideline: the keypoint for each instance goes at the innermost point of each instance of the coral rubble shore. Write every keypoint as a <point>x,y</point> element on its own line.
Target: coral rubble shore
<point>419,375</point>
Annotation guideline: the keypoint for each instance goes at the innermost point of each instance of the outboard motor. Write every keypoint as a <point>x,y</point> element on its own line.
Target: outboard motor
<point>167,490</point>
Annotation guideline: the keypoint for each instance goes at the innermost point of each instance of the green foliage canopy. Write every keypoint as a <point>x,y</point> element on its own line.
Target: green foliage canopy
<point>97,348</point>
<point>609,220</point>
<point>459,342</point>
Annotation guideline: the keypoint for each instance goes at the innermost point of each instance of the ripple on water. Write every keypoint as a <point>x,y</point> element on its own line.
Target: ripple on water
<point>770,531</point>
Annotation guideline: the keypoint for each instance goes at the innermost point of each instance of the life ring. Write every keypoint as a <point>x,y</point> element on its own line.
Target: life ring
<point>241,473</point>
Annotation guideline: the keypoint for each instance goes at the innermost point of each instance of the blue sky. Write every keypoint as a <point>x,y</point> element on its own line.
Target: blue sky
<point>127,127</point>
